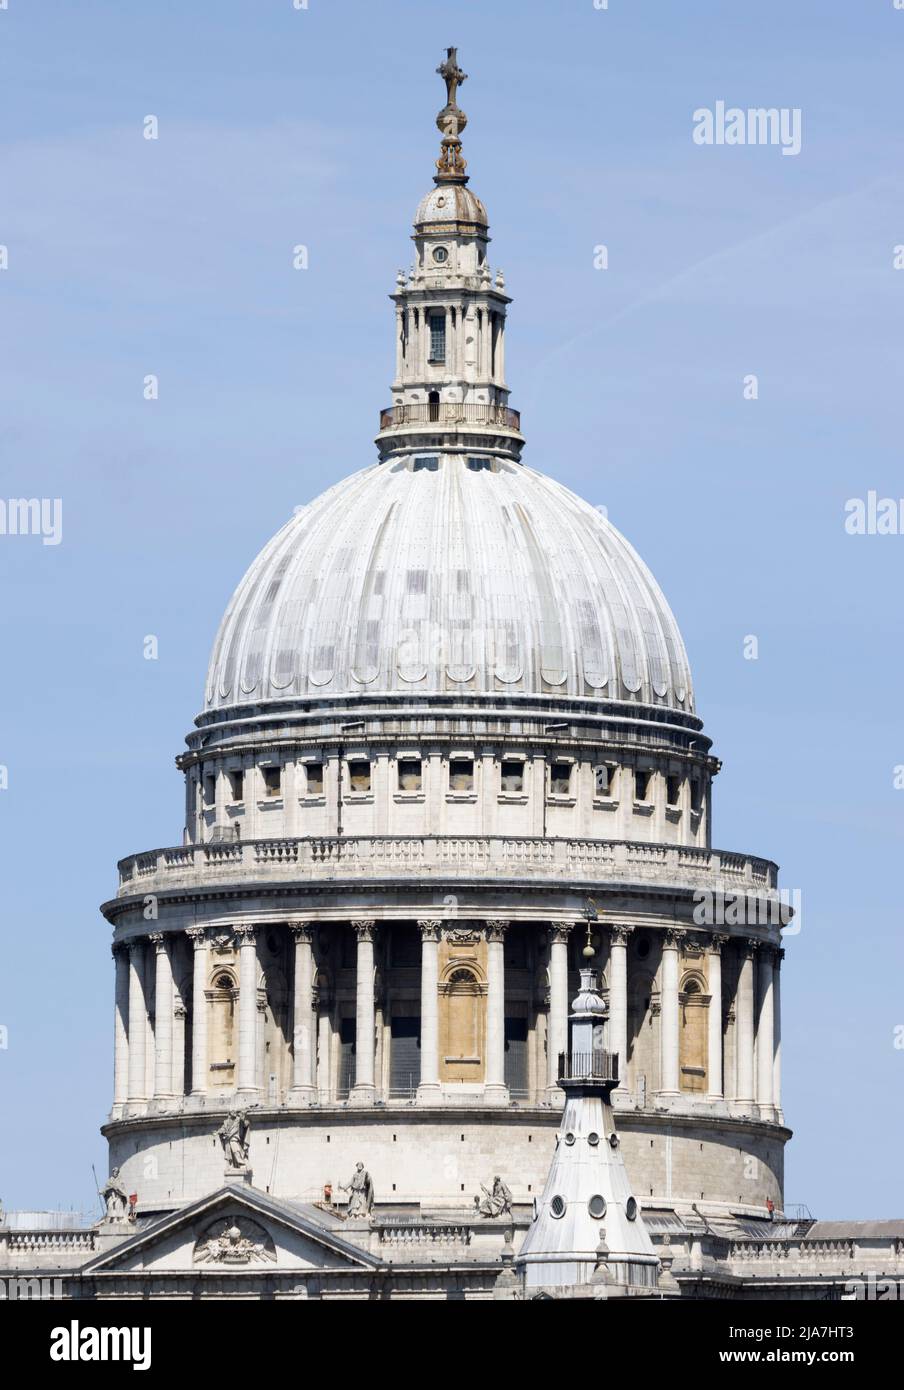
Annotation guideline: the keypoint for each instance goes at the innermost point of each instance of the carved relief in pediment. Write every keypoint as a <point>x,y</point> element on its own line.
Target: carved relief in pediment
<point>234,1240</point>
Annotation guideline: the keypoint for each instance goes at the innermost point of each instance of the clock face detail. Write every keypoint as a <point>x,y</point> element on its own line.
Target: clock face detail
<point>440,254</point>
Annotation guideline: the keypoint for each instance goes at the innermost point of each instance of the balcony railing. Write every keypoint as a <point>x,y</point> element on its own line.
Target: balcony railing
<point>450,413</point>
<point>415,857</point>
<point>590,1066</point>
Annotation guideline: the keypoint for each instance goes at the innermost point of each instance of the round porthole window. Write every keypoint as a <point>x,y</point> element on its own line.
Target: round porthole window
<point>593,1138</point>
<point>440,254</point>
<point>557,1206</point>
<point>597,1206</point>
<point>631,1209</point>
<point>569,1138</point>
<point>613,1141</point>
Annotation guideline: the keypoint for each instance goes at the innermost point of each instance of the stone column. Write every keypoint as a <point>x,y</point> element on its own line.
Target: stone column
<point>765,1033</point>
<point>429,1088</point>
<point>137,1023</point>
<point>324,1037</point>
<point>714,1069</point>
<point>495,1089</point>
<point>179,1013</point>
<point>163,1019</point>
<point>777,1032</point>
<point>557,1029</point>
<point>744,1028</point>
<point>363,1091</point>
<point>669,1021</point>
<point>121,1030</point>
<point>303,1086</point>
<point>618,999</point>
<point>247,1083</point>
<point>198,938</point>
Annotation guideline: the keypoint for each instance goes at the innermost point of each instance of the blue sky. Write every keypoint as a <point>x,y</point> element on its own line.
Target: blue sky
<point>173,257</point>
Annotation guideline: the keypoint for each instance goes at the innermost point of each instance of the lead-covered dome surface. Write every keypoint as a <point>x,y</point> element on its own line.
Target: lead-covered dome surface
<point>450,202</point>
<point>444,579</point>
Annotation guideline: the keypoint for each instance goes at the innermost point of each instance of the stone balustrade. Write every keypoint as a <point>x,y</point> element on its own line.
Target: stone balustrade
<point>433,1233</point>
<point>316,858</point>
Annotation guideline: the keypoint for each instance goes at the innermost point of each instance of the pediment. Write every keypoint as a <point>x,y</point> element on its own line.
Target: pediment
<point>234,1230</point>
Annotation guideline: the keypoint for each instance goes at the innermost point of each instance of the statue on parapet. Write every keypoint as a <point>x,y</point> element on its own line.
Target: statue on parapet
<point>233,1135</point>
<point>360,1191</point>
<point>496,1201</point>
<point>115,1198</point>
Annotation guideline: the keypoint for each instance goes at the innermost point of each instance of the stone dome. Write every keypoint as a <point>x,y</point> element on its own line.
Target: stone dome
<point>450,202</point>
<point>436,577</point>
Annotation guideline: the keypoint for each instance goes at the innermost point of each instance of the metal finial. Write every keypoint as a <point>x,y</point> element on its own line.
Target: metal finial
<point>451,122</point>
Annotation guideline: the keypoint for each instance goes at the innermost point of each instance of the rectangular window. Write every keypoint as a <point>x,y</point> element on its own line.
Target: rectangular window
<point>696,793</point>
<point>461,774</point>
<point>410,776</point>
<point>476,465</point>
<point>314,779</point>
<point>512,778</point>
<point>359,774</point>
<point>673,789</point>
<point>559,779</point>
<point>437,326</point>
<point>236,784</point>
<point>426,463</point>
<point>272,781</point>
<point>641,784</point>
<point>210,789</point>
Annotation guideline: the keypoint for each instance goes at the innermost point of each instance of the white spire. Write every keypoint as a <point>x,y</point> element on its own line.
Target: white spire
<point>588,1230</point>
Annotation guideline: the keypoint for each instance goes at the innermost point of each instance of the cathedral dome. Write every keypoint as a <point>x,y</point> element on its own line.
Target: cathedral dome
<point>444,576</point>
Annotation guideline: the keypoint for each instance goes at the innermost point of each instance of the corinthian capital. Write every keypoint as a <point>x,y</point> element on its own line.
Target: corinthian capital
<point>674,937</point>
<point>245,933</point>
<point>559,932</point>
<point>496,929</point>
<point>619,934</point>
<point>197,936</point>
<point>302,932</point>
<point>365,929</point>
<point>430,928</point>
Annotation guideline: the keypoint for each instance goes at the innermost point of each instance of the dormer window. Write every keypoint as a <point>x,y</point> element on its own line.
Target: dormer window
<point>559,779</point>
<point>437,326</point>
<point>410,775</point>
<point>272,781</point>
<point>359,774</point>
<point>461,774</point>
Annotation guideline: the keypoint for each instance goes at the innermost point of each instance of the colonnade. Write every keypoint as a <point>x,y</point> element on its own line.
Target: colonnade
<point>149,1050</point>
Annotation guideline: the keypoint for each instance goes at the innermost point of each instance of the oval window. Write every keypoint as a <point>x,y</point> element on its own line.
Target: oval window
<point>569,1138</point>
<point>440,255</point>
<point>593,1138</point>
<point>631,1209</point>
<point>597,1206</point>
<point>613,1141</point>
<point>557,1206</point>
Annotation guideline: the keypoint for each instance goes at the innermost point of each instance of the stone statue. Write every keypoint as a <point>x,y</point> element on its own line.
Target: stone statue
<point>360,1191</point>
<point>115,1197</point>
<point>496,1201</point>
<point>233,1135</point>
